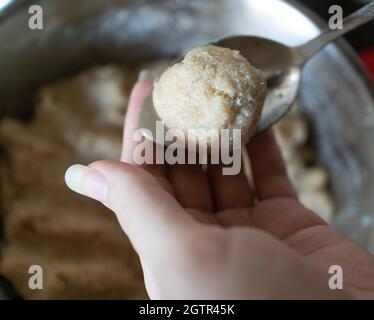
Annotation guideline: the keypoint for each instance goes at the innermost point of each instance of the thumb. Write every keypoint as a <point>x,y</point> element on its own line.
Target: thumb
<point>146,211</point>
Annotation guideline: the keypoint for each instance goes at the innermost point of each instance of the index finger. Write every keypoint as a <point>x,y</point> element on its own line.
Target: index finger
<point>137,97</point>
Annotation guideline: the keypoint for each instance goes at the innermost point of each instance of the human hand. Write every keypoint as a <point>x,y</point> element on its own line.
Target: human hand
<point>202,235</point>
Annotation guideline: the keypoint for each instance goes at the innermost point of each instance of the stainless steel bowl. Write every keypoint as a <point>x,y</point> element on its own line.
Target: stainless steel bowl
<point>336,93</point>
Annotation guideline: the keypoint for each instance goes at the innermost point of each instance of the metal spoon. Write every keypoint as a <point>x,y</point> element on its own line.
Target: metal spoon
<point>281,65</point>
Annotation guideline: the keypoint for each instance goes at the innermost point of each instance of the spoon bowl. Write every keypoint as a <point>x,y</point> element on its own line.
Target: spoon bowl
<point>276,62</point>
<point>281,66</point>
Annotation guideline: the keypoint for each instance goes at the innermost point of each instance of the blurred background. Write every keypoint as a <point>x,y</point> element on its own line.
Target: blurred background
<point>63,95</point>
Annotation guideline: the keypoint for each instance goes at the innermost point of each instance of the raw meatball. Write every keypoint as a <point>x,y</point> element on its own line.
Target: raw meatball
<point>212,88</point>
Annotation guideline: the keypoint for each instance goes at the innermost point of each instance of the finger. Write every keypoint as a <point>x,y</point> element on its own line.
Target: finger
<point>137,97</point>
<point>191,186</point>
<point>269,172</point>
<point>229,191</point>
<point>153,220</point>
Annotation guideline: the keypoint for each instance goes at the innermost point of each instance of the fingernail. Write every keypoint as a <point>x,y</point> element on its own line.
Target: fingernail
<point>87,181</point>
<point>146,74</point>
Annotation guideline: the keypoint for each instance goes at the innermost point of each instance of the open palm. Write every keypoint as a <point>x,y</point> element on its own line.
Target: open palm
<point>200,234</point>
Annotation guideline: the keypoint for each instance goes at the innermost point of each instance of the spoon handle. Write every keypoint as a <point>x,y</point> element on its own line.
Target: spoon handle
<point>353,21</point>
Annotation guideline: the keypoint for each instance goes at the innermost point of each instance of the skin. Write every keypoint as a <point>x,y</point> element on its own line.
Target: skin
<point>202,235</point>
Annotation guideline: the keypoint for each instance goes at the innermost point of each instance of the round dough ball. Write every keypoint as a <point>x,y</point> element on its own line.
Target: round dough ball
<point>212,88</point>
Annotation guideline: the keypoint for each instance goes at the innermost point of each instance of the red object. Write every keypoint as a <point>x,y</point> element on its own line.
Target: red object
<point>368,59</point>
